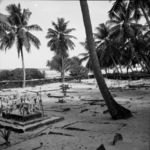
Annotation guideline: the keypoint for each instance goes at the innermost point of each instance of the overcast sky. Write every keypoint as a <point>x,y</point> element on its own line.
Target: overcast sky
<point>43,13</point>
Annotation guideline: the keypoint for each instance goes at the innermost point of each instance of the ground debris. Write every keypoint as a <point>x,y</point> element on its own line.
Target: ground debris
<point>41,134</point>
<point>83,110</point>
<point>61,100</point>
<point>105,111</point>
<point>101,147</point>
<point>59,133</point>
<point>69,124</point>
<point>41,144</point>
<point>117,137</point>
<point>59,109</point>
<point>75,129</point>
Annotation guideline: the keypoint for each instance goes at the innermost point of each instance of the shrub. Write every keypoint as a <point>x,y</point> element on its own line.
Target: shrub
<point>17,74</point>
<point>4,75</point>
<point>79,72</point>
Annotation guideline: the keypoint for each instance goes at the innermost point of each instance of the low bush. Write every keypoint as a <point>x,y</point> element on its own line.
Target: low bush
<point>17,74</point>
<point>78,72</point>
<point>4,75</point>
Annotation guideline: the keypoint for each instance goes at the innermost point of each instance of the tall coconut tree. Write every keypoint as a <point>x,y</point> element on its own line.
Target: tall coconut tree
<point>117,111</point>
<point>60,40</point>
<point>19,33</point>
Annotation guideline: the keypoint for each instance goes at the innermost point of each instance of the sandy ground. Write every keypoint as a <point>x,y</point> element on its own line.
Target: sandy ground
<point>85,127</point>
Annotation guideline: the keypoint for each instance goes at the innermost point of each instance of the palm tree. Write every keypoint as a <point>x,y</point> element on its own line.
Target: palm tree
<point>60,40</point>
<point>107,53</point>
<point>141,45</point>
<point>136,6</point>
<point>124,30</point>
<point>122,25</point>
<point>117,111</point>
<point>19,32</point>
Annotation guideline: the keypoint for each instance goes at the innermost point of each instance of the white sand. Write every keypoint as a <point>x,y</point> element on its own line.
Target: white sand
<point>98,128</point>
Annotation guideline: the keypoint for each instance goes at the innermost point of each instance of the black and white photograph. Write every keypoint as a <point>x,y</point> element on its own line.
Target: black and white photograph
<point>74,74</point>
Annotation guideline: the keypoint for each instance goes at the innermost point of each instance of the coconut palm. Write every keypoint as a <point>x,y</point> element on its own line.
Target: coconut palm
<point>107,53</point>
<point>138,7</point>
<point>19,32</point>
<point>122,24</point>
<point>117,111</point>
<point>141,45</point>
<point>60,40</point>
<point>124,30</point>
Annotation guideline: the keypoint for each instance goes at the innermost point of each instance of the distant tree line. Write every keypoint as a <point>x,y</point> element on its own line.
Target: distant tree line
<point>17,74</point>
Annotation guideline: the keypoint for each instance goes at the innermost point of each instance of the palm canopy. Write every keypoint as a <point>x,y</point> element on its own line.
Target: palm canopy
<point>137,7</point>
<point>122,24</point>
<point>106,50</point>
<point>60,40</point>
<point>19,30</point>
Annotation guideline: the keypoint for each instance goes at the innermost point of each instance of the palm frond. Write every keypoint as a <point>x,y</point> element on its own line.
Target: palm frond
<point>116,6</point>
<point>51,34</point>
<point>7,41</point>
<point>112,22</point>
<point>24,39</point>
<point>70,44</point>
<point>13,8</point>
<point>69,36</point>
<point>33,39</point>
<point>25,16</point>
<point>15,14</point>
<point>67,31</point>
<point>34,27</point>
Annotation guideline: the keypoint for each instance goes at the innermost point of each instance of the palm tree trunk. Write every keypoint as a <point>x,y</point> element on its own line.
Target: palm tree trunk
<point>116,111</point>
<point>137,57</point>
<point>62,71</point>
<point>120,67</point>
<point>145,15</point>
<point>114,63</point>
<point>23,69</point>
<point>145,61</point>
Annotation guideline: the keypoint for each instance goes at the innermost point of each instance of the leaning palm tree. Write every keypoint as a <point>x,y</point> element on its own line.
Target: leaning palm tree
<point>117,111</point>
<point>60,40</point>
<point>19,32</point>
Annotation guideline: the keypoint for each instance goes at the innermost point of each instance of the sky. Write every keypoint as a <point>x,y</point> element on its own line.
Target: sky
<point>43,13</point>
